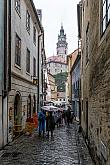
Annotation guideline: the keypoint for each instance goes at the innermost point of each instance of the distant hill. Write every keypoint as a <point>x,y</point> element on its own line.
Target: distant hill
<point>60,80</point>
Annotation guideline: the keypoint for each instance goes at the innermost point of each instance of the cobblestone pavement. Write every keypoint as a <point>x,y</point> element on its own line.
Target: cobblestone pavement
<point>66,148</point>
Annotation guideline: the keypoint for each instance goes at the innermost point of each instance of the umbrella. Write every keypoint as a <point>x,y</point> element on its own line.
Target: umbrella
<point>49,108</point>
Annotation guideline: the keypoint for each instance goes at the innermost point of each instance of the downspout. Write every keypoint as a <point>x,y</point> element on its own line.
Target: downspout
<point>5,48</point>
<point>9,54</point>
<point>5,69</point>
<point>38,97</point>
<point>38,77</point>
<point>42,69</point>
<point>9,45</point>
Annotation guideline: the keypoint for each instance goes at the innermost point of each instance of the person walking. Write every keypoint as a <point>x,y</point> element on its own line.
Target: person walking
<point>68,115</point>
<point>50,124</point>
<point>63,118</point>
<point>41,120</point>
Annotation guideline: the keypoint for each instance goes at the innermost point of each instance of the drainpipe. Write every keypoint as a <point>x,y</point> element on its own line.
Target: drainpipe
<point>42,76</point>
<point>38,95</point>
<point>4,100</point>
<point>42,69</point>
<point>5,48</point>
<point>9,45</point>
<point>9,54</point>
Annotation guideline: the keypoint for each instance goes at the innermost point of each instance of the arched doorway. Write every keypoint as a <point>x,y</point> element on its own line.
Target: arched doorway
<point>17,109</point>
<point>34,104</point>
<point>29,107</point>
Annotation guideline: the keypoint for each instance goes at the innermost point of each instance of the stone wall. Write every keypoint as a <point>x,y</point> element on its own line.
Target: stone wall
<point>96,85</point>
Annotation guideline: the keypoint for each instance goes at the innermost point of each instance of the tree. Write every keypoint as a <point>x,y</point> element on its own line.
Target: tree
<point>60,80</point>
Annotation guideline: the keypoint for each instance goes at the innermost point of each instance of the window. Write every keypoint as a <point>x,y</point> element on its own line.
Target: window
<point>87,3</point>
<point>18,50</point>
<point>28,61</point>
<point>28,21</point>
<point>87,44</point>
<point>17,6</point>
<point>34,35</point>
<point>34,66</point>
<point>105,14</point>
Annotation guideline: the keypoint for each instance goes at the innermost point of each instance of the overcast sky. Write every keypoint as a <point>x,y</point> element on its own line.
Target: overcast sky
<point>54,12</point>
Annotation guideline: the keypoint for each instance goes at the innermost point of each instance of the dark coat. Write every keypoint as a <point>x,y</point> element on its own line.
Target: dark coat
<point>50,123</point>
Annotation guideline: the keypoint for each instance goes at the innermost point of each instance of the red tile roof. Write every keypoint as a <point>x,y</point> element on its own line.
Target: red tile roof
<point>58,59</point>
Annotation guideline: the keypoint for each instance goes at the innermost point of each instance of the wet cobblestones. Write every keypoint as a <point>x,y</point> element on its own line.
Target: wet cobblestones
<point>66,148</point>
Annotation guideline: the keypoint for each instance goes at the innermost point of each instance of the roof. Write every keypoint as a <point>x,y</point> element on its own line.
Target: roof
<point>35,12</point>
<point>57,59</point>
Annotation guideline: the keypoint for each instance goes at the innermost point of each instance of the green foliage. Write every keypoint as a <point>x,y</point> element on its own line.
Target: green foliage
<point>60,80</point>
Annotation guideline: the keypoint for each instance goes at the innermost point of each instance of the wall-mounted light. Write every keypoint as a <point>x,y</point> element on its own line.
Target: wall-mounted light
<point>34,80</point>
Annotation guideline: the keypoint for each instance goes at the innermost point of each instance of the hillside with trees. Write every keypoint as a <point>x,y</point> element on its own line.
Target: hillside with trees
<point>60,80</point>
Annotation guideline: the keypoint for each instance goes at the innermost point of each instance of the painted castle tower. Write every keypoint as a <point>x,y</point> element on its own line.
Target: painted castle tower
<point>58,63</point>
<point>62,45</point>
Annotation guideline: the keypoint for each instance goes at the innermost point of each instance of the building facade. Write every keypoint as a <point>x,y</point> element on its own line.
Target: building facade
<point>56,64</point>
<point>76,87</point>
<point>4,70</point>
<point>52,86</point>
<point>95,78</point>
<point>61,96</point>
<point>26,49</point>
<point>70,61</point>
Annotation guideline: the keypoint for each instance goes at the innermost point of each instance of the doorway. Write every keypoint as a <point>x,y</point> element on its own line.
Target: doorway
<point>29,107</point>
<point>17,109</point>
<point>34,104</point>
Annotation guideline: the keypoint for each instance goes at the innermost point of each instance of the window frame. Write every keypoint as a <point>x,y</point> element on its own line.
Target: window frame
<point>34,35</point>
<point>28,60</point>
<point>105,19</point>
<point>34,66</point>
<point>18,6</point>
<point>87,44</point>
<point>17,50</point>
<point>28,18</point>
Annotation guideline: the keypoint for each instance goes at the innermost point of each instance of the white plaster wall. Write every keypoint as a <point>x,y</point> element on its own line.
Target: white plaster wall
<point>19,27</point>
<point>56,66</point>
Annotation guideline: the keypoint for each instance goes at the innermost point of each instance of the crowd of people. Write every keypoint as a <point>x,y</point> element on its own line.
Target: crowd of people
<point>47,120</point>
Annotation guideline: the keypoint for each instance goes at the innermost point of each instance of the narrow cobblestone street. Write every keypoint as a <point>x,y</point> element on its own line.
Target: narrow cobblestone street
<point>66,148</point>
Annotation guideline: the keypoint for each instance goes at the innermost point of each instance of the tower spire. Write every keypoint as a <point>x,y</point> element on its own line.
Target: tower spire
<point>61,25</point>
<point>62,45</point>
